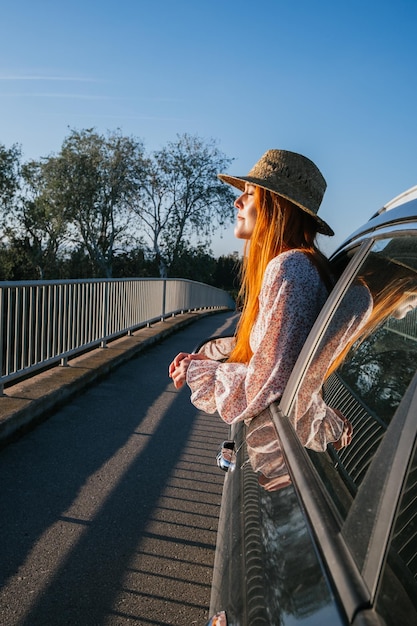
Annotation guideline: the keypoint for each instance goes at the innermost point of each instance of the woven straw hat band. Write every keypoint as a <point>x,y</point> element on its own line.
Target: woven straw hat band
<point>291,176</point>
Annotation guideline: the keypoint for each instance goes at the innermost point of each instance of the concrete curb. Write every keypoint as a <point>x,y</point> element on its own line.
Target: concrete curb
<point>30,402</point>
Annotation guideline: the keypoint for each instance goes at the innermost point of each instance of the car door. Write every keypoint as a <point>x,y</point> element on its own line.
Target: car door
<point>360,501</point>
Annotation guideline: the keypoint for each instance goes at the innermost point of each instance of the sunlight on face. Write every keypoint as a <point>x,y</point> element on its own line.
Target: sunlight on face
<point>246,215</point>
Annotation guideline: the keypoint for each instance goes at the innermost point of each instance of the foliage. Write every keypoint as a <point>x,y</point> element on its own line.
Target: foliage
<point>227,273</point>
<point>380,370</point>
<point>17,263</point>
<point>102,207</point>
<point>9,176</point>
<point>40,225</point>
<point>94,180</point>
<point>193,263</point>
<point>133,264</point>
<point>182,198</point>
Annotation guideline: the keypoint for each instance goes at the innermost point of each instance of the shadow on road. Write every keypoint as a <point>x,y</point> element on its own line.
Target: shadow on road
<point>109,509</point>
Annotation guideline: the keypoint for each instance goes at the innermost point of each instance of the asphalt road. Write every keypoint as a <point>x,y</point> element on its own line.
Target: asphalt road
<point>109,509</point>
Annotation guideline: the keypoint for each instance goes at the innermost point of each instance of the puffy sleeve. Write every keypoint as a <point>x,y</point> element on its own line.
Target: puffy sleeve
<point>292,294</point>
<point>218,349</point>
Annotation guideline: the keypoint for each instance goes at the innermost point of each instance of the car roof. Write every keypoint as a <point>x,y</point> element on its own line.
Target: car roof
<point>398,212</point>
<point>402,198</point>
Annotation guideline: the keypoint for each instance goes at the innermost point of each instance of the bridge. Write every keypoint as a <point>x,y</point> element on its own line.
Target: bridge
<point>109,506</point>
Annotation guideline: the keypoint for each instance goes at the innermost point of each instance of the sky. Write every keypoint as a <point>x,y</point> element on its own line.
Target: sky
<point>335,80</point>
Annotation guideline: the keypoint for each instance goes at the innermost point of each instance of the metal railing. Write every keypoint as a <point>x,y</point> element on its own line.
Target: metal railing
<point>46,322</point>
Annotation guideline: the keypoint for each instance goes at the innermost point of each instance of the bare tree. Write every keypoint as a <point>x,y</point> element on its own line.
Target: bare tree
<point>181,199</point>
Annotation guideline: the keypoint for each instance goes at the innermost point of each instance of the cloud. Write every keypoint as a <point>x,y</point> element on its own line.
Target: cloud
<point>40,77</point>
<point>22,78</point>
<point>73,96</point>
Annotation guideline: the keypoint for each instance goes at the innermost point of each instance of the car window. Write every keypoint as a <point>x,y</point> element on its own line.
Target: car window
<point>397,596</point>
<point>361,367</point>
<point>291,565</point>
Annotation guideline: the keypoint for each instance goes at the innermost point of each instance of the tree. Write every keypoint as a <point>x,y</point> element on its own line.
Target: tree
<point>41,223</point>
<point>9,177</point>
<point>226,275</point>
<point>22,256</point>
<point>94,180</point>
<point>194,264</point>
<point>17,261</point>
<point>181,198</point>
<point>134,263</point>
<point>77,207</point>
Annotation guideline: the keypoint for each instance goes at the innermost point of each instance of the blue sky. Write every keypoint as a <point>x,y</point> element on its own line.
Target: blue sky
<point>334,80</point>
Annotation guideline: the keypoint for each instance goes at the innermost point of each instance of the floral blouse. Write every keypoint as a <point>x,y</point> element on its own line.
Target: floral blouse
<point>291,297</point>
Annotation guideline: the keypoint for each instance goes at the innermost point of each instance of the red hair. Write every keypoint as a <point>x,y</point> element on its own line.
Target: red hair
<point>280,225</point>
<point>386,298</point>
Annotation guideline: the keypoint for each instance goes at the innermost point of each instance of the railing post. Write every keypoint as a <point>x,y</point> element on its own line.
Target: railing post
<point>105,314</point>
<point>2,346</point>
<point>164,297</point>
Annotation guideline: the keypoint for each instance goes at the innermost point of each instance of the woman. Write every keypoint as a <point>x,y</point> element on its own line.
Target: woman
<point>285,282</point>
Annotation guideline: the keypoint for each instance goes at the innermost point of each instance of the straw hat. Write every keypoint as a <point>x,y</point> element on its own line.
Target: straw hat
<point>291,176</point>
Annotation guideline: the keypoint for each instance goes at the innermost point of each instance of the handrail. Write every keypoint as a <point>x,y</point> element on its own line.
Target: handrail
<point>47,322</point>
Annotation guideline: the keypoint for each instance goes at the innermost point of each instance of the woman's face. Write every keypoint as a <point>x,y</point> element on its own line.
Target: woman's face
<point>246,214</point>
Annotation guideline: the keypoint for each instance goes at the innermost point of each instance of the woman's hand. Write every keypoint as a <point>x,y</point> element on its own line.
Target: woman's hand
<point>179,366</point>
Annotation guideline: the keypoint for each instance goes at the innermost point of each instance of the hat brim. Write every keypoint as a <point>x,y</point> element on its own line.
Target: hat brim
<point>239,183</point>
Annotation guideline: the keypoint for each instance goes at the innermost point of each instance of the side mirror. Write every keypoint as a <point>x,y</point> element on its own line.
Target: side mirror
<point>220,619</point>
<point>226,457</point>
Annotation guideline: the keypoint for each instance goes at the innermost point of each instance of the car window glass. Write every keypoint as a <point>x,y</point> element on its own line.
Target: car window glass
<point>397,596</point>
<point>291,564</point>
<point>361,368</point>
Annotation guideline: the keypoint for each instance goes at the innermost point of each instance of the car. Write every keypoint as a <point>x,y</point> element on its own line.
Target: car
<point>334,540</point>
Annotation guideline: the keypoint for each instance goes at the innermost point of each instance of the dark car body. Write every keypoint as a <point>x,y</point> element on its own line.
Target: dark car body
<point>338,545</point>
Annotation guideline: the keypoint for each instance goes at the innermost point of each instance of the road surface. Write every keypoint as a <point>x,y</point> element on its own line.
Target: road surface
<point>109,509</point>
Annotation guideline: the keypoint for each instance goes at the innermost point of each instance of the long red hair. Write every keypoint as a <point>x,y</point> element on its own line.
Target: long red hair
<point>280,225</point>
<point>390,285</point>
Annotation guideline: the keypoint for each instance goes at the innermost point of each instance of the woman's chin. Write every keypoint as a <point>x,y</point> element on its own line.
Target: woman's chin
<point>239,234</point>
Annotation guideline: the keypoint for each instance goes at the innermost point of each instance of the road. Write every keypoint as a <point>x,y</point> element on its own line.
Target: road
<point>109,509</point>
